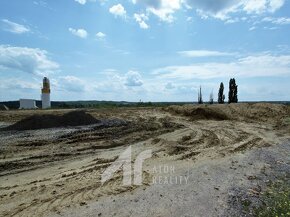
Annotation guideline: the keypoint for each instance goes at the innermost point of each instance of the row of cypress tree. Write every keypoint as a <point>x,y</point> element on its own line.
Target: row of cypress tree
<point>232,96</point>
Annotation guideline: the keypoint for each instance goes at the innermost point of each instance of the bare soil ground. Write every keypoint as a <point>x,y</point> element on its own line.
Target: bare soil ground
<point>218,148</point>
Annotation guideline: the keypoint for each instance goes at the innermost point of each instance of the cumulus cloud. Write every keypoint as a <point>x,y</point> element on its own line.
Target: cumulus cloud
<point>275,5</point>
<point>255,6</point>
<point>101,35</point>
<point>79,32</point>
<point>164,9</point>
<point>141,18</point>
<point>203,53</point>
<point>30,60</point>
<point>118,10</point>
<point>261,6</point>
<point>221,9</point>
<point>14,27</point>
<point>217,8</point>
<point>133,78</point>
<point>262,65</point>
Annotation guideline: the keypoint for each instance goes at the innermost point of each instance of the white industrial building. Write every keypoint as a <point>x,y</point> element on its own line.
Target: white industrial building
<point>27,104</point>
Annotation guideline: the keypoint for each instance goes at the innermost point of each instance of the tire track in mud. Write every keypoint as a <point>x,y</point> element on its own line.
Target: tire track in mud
<point>211,136</point>
<point>82,186</point>
<point>71,188</point>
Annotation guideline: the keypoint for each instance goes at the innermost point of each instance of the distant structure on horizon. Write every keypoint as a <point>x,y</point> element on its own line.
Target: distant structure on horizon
<point>45,94</point>
<point>27,104</point>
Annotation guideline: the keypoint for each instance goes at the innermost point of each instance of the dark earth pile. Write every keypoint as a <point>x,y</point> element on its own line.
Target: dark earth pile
<point>207,114</point>
<point>199,112</point>
<point>34,122</point>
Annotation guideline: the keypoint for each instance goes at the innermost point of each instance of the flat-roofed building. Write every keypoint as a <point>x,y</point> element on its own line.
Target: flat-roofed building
<point>27,104</point>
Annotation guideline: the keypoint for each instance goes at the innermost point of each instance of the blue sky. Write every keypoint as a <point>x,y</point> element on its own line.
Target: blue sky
<point>149,50</point>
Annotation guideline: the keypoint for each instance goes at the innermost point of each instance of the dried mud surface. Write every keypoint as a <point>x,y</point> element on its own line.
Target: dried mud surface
<point>49,172</point>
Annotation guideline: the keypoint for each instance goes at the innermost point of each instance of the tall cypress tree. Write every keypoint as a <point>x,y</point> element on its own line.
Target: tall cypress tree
<point>200,101</point>
<point>221,96</point>
<point>230,90</point>
<point>235,100</point>
<point>233,91</point>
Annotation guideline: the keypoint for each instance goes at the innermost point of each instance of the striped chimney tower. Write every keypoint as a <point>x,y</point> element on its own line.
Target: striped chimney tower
<point>45,93</point>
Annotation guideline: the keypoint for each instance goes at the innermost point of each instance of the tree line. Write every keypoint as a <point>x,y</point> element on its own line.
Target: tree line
<point>232,95</point>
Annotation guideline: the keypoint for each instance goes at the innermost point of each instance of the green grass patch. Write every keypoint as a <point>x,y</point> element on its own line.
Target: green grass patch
<point>276,201</point>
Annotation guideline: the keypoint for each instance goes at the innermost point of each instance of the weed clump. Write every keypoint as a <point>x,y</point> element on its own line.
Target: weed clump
<point>276,201</point>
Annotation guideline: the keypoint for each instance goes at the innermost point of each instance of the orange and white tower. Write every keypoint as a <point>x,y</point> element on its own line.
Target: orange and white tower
<point>45,93</point>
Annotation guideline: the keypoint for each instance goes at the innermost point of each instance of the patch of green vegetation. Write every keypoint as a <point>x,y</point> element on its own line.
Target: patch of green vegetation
<point>276,201</point>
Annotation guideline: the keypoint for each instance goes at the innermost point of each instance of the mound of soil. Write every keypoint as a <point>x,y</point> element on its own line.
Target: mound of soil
<point>208,114</point>
<point>241,111</point>
<point>74,118</point>
<point>199,112</point>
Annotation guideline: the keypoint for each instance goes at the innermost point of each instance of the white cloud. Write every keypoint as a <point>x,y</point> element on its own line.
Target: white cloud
<point>262,6</point>
<point>16,83</point>
<point>79,32</point>
<point>278,20</point>
<point>189,19</point>
<point>252,28</point>
<point>275,5</point>
<point>203,53</point>
<point>101,35</point>
<point>220,9</point>
<point>15,27</point>
<point>164,9</point>
<point>232,20</point>
<point>30,60</point>
<point>133,78</point>
<point>270,28</point>
<point>255,6</point>
<point>82,2</point>
<point>215,8</point>
<point>118,10</point>
<point>262,65</point>
<point>149,3</point>
<point>141,18</point>
<point>70,83</point>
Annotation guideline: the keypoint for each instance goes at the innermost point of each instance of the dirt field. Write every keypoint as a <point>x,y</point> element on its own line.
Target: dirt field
<point>57,171</point>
